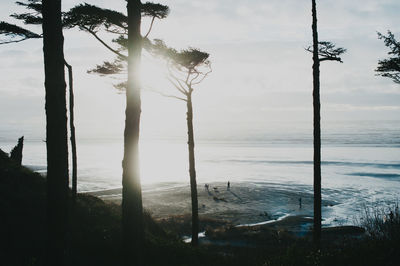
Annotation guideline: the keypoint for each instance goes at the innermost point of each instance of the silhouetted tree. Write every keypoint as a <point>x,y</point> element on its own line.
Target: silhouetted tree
<point>187,68</point>
<point>93,19</point>
<point>322,51</point>
<point>16,152</point>
<point>56,132</point>
<point>19,34</point>
<point>132,208</point>
<point>390,67</point>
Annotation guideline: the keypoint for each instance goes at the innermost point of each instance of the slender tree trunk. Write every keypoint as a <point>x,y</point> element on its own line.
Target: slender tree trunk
<point>192,172</point>
<point>72,128</point>
<point>317,131</point>
<point>132,209</point>
<point>56,133</point>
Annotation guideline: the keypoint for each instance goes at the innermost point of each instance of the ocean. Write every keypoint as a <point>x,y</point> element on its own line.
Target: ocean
<point>360,168</point>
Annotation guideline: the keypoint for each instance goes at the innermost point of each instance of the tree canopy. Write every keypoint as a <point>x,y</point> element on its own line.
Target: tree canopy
<point>186,68</point>
<point>17,34</point>
<point>327,51</point>
<point>390,67</point>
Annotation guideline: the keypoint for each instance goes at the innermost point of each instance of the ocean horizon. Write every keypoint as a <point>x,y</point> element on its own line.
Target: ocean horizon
<point>360,164</point>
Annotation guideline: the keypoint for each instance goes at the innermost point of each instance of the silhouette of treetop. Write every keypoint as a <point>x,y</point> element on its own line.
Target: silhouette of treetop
<point>15,31</point>
<point>186,68</point>
<point>34,17</point>
<point>30,18</point>
<point>91,17</point>
<point>155,10</point>
<point>328,52</point>
<point>390,67</point>
<point>190,59</point>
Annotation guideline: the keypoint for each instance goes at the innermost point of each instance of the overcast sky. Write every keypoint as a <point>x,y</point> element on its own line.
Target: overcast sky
<point>261,72</point>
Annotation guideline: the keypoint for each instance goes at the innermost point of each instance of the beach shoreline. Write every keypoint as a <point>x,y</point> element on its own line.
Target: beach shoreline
<point>246,214</point>
<point>242,204</point>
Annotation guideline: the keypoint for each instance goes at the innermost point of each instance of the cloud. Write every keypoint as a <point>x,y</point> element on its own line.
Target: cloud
<point>260,69</point>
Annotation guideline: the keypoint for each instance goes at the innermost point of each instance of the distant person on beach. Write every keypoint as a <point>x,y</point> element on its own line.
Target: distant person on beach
<point>391,216</point>
<point>206,186</point>
<point>229,185</point>
<point>299,203</point>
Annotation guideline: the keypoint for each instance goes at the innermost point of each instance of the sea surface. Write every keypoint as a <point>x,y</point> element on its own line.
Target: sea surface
<point>360,168</point>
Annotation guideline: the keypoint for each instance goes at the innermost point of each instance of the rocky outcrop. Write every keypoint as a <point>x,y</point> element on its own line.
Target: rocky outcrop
<point>16,153</point>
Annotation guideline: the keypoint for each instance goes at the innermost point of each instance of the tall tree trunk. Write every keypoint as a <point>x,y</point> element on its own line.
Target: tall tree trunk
<point>132,209</point>
<point>56,133</point>
<point>72,128</point>
<point>192,172</point>
<point>317,131</point>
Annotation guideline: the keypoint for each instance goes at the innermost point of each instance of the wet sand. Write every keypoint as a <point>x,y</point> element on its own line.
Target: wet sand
<point>245,214</point>
<point>242,203</point>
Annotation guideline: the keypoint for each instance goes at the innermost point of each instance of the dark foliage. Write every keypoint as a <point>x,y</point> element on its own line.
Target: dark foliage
<point>192,63</point>
<point>34,17</point>
<point>95,232</point>
<point>390,67</point>
<point>109,68</point>
<point>188,58</point>
<point>91,17</point>
<point>16,152</point>
<point>327,51</point>
<point>154,10</point>
<point>15,31</point>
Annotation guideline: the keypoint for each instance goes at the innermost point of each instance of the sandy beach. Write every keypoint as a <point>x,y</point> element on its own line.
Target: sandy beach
<point>242,203</point>
<point>244,214</point>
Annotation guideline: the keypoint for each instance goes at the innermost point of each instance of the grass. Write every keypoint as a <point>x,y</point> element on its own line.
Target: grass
<point>382,223</point>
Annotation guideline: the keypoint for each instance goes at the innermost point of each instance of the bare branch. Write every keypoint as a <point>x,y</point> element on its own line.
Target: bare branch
<point>169,67</point>
<point>204,76</point>
<point>165,95</point>
<point>105,44</point>
<point>178,86</point>
<point>188,75</point>
<point>197,74</point>
<point>151,26</point>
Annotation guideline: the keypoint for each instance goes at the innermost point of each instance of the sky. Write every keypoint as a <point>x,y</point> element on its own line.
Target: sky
<point>261,79</point>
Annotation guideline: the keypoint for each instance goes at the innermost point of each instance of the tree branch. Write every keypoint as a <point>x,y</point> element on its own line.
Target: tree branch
<point>331,58</point>
<point>151,26</point>
<point>204,76</point>
<point>14,41</point>
<point>165,95</point>
<point>179,80</point>
<point>188,75</point>
<point>105,44</point>
<point>179,87</point>
<point>197,74</point>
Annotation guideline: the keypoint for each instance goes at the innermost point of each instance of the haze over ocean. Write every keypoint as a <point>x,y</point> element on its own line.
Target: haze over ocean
<point>361,162</point>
